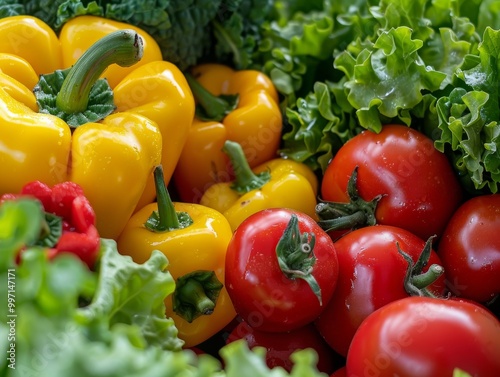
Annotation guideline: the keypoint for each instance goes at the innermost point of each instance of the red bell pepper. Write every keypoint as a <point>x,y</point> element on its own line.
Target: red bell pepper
<point>69,217</point>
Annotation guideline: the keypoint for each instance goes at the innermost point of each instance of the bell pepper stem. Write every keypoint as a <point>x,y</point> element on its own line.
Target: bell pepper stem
<point>193,293</point>
<point>122,47</point>
<point>196,294</point>
<point>168,218</point>
<point>245,179</point>
<point>214,107</point>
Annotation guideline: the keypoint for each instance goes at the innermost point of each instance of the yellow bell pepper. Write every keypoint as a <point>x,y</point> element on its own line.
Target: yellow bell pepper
<point>276,183</point>
<point>242,106</point>
<point>16,77</point>
<point>153,88</point>
<point>194,238</point>
<point>112,160</point>
<point>80,33</point>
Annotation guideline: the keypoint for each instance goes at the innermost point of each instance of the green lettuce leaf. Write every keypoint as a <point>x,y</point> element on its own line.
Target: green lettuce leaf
<point>317,127</point>
<point>486,14</point>
<point>237,31</point>
<point>386,61</point>
<point>66,320</point>
<point>133,294</point>
<point>239,361</point>
<point>60,310</point>
<point>20,225</point>
<point>388,79</point>
<point>469,117</point>
<point>298,45</point>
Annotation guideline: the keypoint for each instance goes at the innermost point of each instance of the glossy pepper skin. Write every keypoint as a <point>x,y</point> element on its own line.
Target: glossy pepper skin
<point>196,245</point>
<point>255,121</point>
<point>275,183</point>
<point>152,88</point>
<point>113,159</point>
<point>69,223</point>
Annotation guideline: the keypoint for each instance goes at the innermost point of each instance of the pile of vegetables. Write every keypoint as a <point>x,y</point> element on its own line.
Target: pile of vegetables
<point>250,187</point>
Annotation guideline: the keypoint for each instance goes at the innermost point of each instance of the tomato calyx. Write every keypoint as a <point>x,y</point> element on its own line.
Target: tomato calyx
<point>416,281</point>
<point>355,214</point>
<point>196,294</point>
<point>295,252</point>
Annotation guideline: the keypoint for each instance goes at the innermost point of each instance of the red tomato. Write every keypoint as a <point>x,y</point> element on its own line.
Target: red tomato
<point>341,372</point>
<point>371,274</point>
<point>420,336</point>
<point>470,249</point>
<point>263,294</point>
<point>279,346</point>
<point>418,185</point>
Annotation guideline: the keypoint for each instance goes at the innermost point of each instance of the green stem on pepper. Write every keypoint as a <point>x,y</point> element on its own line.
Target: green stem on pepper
<point>245,179</point>
<point>166,218</point>
<point>211,107</point>
<point>193,293</point>
<point>196,294</point>
<point>77,95</point>
<point>122,47</point>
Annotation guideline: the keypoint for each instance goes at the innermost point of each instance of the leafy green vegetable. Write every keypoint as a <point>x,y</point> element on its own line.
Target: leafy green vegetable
<point>133,294</point>
<point>236,30</point>
<point>343,67</point>
<point>187,31</point>
<point>469,116</point>
<point>10,8</point>
<point>59,305</point>
<point>64,320</point>
<point>340,66</point>
<point>376,77</point>
<point>20,224</point>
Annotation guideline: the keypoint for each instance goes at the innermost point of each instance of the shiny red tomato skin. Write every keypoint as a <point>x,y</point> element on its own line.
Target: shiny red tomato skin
<point>261,293</point>
<point>371,274</point>
<point>420,336</point>
<point>470,249</point>
<point>419,187</point>
<point>280,345</point>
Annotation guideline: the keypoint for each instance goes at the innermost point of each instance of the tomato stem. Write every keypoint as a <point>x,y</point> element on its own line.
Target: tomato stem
<point>355,214</point>
<point>416,282</point>
<point>425,279</point>
<point>295,252</point>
